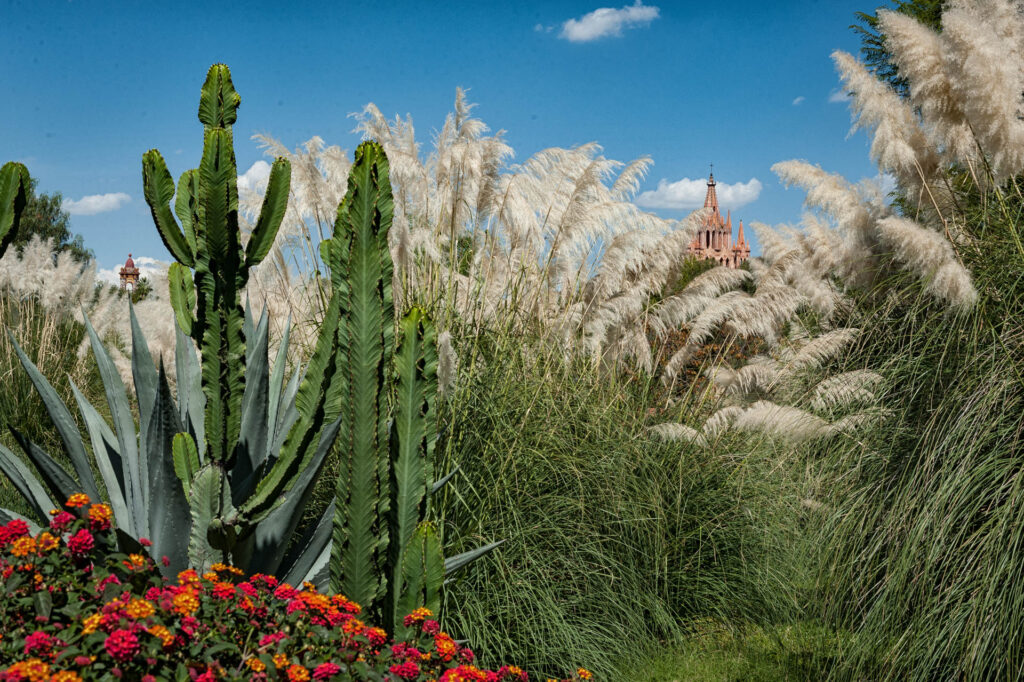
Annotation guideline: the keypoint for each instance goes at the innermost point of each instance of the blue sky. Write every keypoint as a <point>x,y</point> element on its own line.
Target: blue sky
<point>88,86</point>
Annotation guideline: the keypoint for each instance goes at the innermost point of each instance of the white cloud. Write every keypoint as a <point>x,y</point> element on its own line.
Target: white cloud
<point>798,101</point>
<point>96,203</point>
<point>148,267</point>
<point>839,96</point>
<point>255,178</point>
<point>607,21</point>
<point>689,194</point>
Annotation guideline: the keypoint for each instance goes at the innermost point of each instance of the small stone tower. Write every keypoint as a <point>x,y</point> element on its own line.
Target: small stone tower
<point>714,238</point>
<point>129,274</point>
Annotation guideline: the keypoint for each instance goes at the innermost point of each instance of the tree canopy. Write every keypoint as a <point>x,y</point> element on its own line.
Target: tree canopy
<point>44,216</point>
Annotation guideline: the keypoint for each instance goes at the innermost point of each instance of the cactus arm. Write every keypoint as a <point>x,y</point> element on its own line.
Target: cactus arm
<point>108,461</point>
<point>204,506</point>
<point>186,206</point>
<point>365,341</point>
<point>60,483</point>
<point>218,100</point>
<point>219,280</point>
<point>14,188</point>
<point>275,203</point>
<point>412,440</point>
<point>423,570</point>
<point>183,295</point>
<point>158,188</point>
<point>169,518</point>
<point>26,483</point>
<point>186,459</point>
<point>64,423</point>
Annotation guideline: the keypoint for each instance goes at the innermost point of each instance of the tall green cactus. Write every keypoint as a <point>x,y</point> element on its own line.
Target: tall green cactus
<point>14,188</point>
<point>383,554</point>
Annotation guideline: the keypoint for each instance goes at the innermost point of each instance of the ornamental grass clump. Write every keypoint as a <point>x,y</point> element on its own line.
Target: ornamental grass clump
<point>75,609</point>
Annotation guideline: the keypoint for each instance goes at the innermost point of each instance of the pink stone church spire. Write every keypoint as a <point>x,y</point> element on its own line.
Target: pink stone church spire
<point>714,238</point>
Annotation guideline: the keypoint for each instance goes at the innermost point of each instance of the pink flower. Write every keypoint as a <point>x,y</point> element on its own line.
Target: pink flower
<point>145,542</point>
<point>326,671</point>
<point>39,642</point>
<point>61,521</point>
<point>81,543</point>
<point>122,645</point>
<point>407,671</point>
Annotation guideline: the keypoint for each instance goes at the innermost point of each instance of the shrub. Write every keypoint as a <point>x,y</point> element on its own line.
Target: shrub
<point>77,609</point>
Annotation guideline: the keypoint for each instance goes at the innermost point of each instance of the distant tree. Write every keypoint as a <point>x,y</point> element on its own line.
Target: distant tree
<point>44,216</point>
<point>872,46</point>
<point>143,288</point>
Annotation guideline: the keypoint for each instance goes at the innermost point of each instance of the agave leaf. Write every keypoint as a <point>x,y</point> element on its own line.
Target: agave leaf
<point>252,441</point>
<point>108,460</point>
<point>124,426</point>
<point>304,559</point>
<point>169,520</point>
<point>183,295</point>
<point>440,483</point>
<point>14,187</point>
<point>186,459</point>
<point>146,386</point>
<point>453,564</point>
<point>7,515</point>
<point>64,422</point>
<point>276,385</point>
<point>61,484</point>
<point>26,483</point>
<point>287,416</point>
<point>273,533</point>
<point>158,188</point>
<point>191,401</point>
<point>275,202</point>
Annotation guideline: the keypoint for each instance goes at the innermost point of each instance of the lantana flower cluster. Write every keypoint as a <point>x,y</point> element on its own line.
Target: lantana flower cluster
<point>75,608</point>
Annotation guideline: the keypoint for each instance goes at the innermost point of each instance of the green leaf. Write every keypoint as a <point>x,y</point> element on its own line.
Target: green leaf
<point>124,427</point>
<point>61,484</point>
<point>186,459</point>
<point>275,203</point>
<point>453,564</point>
<point>183,295</point>
<point>14,188</point>
<point>273,534</point>
<point>109,462</point>
<point>146,386</point>
<point>158,188</point>
<point>218,100</point>
<point>441,482</point>
<point>191,401</point>
<point>64,423</point>
<point>312,552</point>
<point>26,483</point>
<point>252,442</point>
<point>169,520</point>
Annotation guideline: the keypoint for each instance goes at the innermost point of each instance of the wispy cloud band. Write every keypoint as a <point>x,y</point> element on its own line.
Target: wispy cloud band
<point>96,203</point>
<point>607,21</point>
<point>689,194</point>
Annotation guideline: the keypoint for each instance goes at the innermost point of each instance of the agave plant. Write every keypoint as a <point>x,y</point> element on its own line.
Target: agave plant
<point>14,184</point>
<point>223,472</point>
